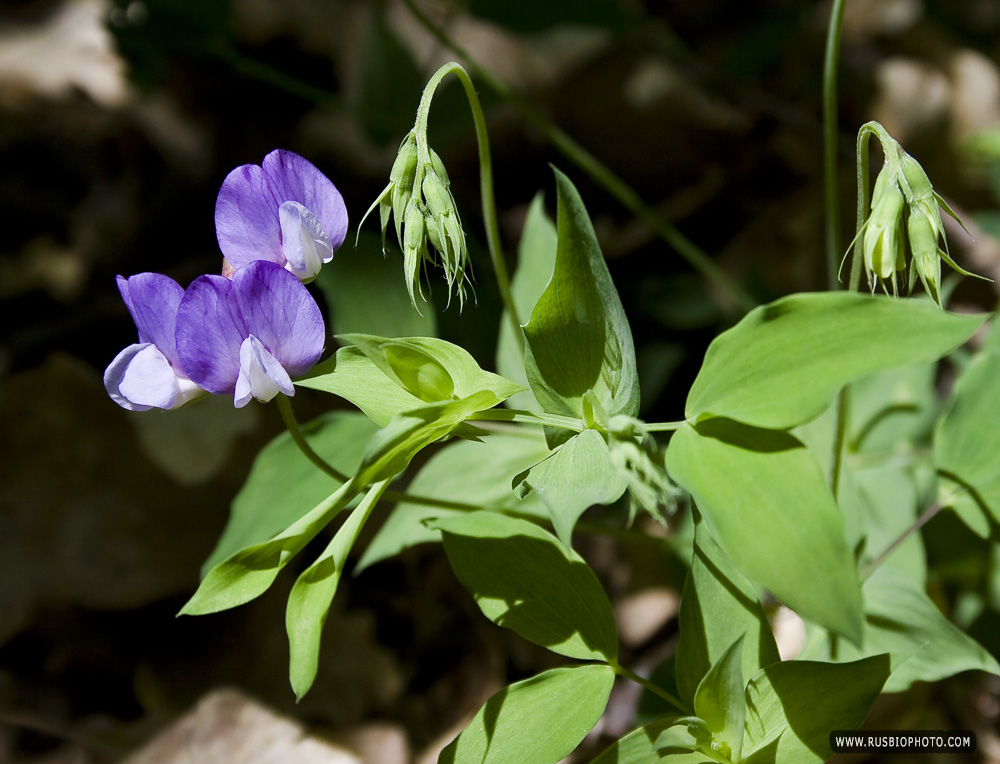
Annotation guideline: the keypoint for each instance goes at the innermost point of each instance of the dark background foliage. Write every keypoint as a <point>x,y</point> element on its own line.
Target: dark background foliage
<point>118,122</point>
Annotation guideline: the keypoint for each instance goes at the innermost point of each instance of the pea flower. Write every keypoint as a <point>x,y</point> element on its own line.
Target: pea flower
<point>149,374</point>
<point>249,335</point>
<point>283,210</point>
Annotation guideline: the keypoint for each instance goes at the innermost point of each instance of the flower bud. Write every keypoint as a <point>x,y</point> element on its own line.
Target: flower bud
<point>883,235</point>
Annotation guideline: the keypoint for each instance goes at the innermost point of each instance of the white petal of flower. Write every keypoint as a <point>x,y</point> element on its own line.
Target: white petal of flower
<point>261,375</point>
<point>149,380</point>
<point>303,241</point>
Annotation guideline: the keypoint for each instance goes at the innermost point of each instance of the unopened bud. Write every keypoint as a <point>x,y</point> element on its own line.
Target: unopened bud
<point>883,236</point>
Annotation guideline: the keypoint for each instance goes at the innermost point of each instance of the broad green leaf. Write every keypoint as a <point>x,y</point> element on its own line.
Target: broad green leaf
<point>578,337</point>
<point>577,476</point>
<point>429,368</point>
<point>525,580</point>
<point>248,573</point>
<point>967,446</point>
<point>893,409</point>
<point>366,292</point>
<point>718,607</point>
<point>536,256</point>
<point>764,499</point>
<point>793,706</point>
<point>784,362</point>
<point>650,744</point>
<point>720,701</point>
<point>354,377</point>
<point>470,472</point>
<point>311,596</point>
<point>902,620</point>
<point>538,720</point>
<point>283,484</point>
<point>390,450</point>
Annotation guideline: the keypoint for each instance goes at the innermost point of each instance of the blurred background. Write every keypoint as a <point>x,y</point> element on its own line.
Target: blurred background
<point>118,122</point>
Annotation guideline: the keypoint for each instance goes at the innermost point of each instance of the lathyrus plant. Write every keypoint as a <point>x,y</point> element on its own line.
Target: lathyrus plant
<point>777,505</point>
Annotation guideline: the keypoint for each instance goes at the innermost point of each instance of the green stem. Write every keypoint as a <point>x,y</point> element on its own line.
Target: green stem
<point>292,425</point>
<point>598,171</point>
<point>529,417</point>
<point>917,524</point>
<point>485,180</point>
<point>830,142</point>
<point>664,426</point>
<point>646,684</point>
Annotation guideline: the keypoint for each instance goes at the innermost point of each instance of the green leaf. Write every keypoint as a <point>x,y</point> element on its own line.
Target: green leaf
<point>793,706</point>
<point>248,573</point>
<point>967,446</point>
<point>366,292</point>
<point>311,596</point>
<point>650,744</point>
<point>525,580</point>
<point>578,337</point>
<point>354,377</point>
<point>536,257</point>
<point>764,499</point>
<point>718,607</point>
<point>283,484</point>
<point>538,720</point>
<point>577,476</point>
<point>390,450</point>
<point>431,369</point>
<point>784,362</point>
<point>902,620</point>
<point>477,473</point>
<point>720,701</point>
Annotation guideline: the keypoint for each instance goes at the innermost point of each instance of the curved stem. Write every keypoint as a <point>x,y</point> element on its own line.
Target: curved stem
<point>292,425</point>
<point>485,180</point>
<point>917,524</point>
<point>607,179</point>
<point>653,688</point>
<point>830,134</point>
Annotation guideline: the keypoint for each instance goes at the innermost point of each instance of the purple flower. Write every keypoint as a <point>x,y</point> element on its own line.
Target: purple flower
<point>149,374</point>
<point>285,211</point>
<point>250,335</point>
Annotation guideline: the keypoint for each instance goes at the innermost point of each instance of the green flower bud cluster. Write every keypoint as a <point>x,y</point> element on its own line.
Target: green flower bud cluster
<point>428,228</point>
<point>905,209</point>
<point>640,462</point>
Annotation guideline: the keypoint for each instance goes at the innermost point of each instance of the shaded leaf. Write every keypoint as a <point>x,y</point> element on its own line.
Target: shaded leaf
<point>577,476</point>
<point>476,473</point>
<point>720,701</point>
<point>283,484</point>
<point>784,362</point>
<point>536,257</point>
<point>538,720</point>
<point>579,339</point>
<point>311,596</point>
<point>793,706</point>
<point>967,446</point>
<point>525,580</point>
<point>718,607</point>
<point>764,499</point>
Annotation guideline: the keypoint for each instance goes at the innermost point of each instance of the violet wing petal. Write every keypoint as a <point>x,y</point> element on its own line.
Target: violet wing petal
<point>152,300</point>
<point>280,312</point>
<point>246,218</point>
<point>210,331</point>
<point>295,179</point>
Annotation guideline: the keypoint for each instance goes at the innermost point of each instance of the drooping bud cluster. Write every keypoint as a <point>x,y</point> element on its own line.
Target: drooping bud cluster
<point>640,462</point>
<point>428,227</point>
<point>905,209</point>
